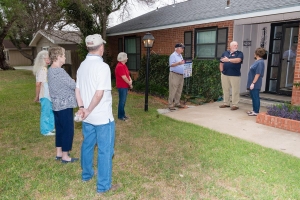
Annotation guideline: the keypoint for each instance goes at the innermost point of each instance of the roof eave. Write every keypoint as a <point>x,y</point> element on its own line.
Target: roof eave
<point>231,17</point>
<point>37,37</point>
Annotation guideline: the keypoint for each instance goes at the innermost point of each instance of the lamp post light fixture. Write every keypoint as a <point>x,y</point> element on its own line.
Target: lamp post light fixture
<point>148,40</point>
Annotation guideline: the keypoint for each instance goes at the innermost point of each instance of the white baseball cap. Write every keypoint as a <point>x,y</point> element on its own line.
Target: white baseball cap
<point>94,40</point>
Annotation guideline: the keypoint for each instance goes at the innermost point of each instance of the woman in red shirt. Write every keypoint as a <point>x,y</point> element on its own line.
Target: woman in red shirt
<point>123,82</point>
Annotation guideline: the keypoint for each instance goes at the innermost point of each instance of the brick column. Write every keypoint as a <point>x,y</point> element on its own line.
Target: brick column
<point>296,91</point>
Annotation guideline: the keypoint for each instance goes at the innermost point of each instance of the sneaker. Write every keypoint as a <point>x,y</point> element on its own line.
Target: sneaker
<point>49,134</point>
<point>252,114</point>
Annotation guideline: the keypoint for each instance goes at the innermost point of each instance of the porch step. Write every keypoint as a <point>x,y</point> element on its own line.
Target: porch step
<point>263,103</point>
<point>266,99</point>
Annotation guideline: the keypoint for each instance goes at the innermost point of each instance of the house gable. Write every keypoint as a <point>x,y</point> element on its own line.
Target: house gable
<point>57,37</point>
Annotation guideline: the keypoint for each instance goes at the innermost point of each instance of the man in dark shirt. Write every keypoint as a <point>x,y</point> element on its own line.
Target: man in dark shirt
<point>230,67</point>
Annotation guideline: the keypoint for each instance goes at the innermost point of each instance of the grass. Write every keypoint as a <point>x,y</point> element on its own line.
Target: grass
<point>155,157</point>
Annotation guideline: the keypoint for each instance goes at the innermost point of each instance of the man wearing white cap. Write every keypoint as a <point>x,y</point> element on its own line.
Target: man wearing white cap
<point>93,94</point>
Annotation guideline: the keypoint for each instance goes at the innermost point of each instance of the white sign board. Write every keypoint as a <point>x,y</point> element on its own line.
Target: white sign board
<point>187,70</point>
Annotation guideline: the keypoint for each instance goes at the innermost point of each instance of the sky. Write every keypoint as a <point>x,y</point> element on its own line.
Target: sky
<point>139,9</point>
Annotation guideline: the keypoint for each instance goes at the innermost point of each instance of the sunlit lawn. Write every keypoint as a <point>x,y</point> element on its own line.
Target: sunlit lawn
<point>155,157</point>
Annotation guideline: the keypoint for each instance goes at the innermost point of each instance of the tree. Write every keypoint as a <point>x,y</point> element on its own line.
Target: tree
<point>91,16</point>
<point>38,15</point>
<point>10,12</point>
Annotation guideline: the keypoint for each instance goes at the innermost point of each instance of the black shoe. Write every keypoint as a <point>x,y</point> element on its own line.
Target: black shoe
<point>71,161</point>
<point>224,106</point>
<point>59,157</point>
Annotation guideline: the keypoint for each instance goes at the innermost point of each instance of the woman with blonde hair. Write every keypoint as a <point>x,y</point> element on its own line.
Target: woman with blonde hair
<point>40,69</point>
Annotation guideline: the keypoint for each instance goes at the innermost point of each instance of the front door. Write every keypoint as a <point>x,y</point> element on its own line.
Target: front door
<point>282,57</point>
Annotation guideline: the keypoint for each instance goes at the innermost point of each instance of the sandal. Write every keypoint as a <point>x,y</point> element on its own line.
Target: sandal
<point>252,114</point>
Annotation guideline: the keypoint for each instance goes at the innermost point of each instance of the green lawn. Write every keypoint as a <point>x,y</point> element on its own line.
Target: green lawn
<point>155,157</point>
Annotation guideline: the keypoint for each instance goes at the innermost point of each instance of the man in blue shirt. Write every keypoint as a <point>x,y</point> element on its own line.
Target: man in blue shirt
<point>176,64</point>
<point>230,67</point>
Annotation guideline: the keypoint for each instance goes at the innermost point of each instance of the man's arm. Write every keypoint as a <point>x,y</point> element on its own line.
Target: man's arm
<point>79,102</point>
<point>177,63</point>
<point>221,67</point>
<point>232,60</point>
<point>95,101</point>
<point>235,60</point>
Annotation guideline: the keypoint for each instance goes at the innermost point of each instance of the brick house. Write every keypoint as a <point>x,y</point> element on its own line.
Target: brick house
<point>207,27</point>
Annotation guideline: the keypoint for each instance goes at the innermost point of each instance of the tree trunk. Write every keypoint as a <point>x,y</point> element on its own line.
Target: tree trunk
<point>28,56</point>
<point>3,64</point>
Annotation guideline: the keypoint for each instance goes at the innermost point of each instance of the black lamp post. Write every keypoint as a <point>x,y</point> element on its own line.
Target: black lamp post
<point>148,40</point>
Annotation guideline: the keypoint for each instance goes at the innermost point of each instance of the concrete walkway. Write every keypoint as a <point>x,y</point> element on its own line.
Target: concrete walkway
<point>239,124</point>
<point>24,67</point>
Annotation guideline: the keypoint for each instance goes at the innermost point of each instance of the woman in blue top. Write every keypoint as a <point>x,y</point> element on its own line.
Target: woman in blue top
<point>254,82</point>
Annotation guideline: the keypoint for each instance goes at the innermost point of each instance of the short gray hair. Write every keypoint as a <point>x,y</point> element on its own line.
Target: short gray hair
<point>94,48</point>
<point>122,56</point>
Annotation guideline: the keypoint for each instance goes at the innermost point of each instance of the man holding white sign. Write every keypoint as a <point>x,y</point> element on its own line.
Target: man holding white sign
<point>176,64</point>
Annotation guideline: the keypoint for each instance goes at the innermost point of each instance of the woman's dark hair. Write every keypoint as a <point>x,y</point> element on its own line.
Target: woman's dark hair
<point>261,52</point>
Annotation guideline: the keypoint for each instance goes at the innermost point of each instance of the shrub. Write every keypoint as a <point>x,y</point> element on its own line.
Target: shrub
<point>285,111</point>
<point>205,81</point>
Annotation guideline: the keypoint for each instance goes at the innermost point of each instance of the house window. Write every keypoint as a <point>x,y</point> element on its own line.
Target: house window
<point>45,48</point>
<point>6,53</point>
<point>120,45</point>
<point>132,46</point>
<point>188,45</point>
<point>210,43</point>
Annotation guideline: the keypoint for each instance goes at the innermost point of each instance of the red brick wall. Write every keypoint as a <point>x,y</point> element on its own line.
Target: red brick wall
<point>296,91</point>
<point>278,122</point>
<point>166,39</point>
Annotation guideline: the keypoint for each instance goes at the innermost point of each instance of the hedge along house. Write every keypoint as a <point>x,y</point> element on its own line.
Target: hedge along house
<point>69,40</point>
<point>207,27</point>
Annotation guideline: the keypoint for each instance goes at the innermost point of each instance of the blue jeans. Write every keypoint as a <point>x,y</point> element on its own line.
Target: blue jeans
<point>255,100</point>
<point>104,136</point>
<point>122,100</point>
<point>47,117</point>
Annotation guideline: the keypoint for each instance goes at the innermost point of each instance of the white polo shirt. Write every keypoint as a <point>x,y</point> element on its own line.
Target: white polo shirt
<point>94,74</point>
